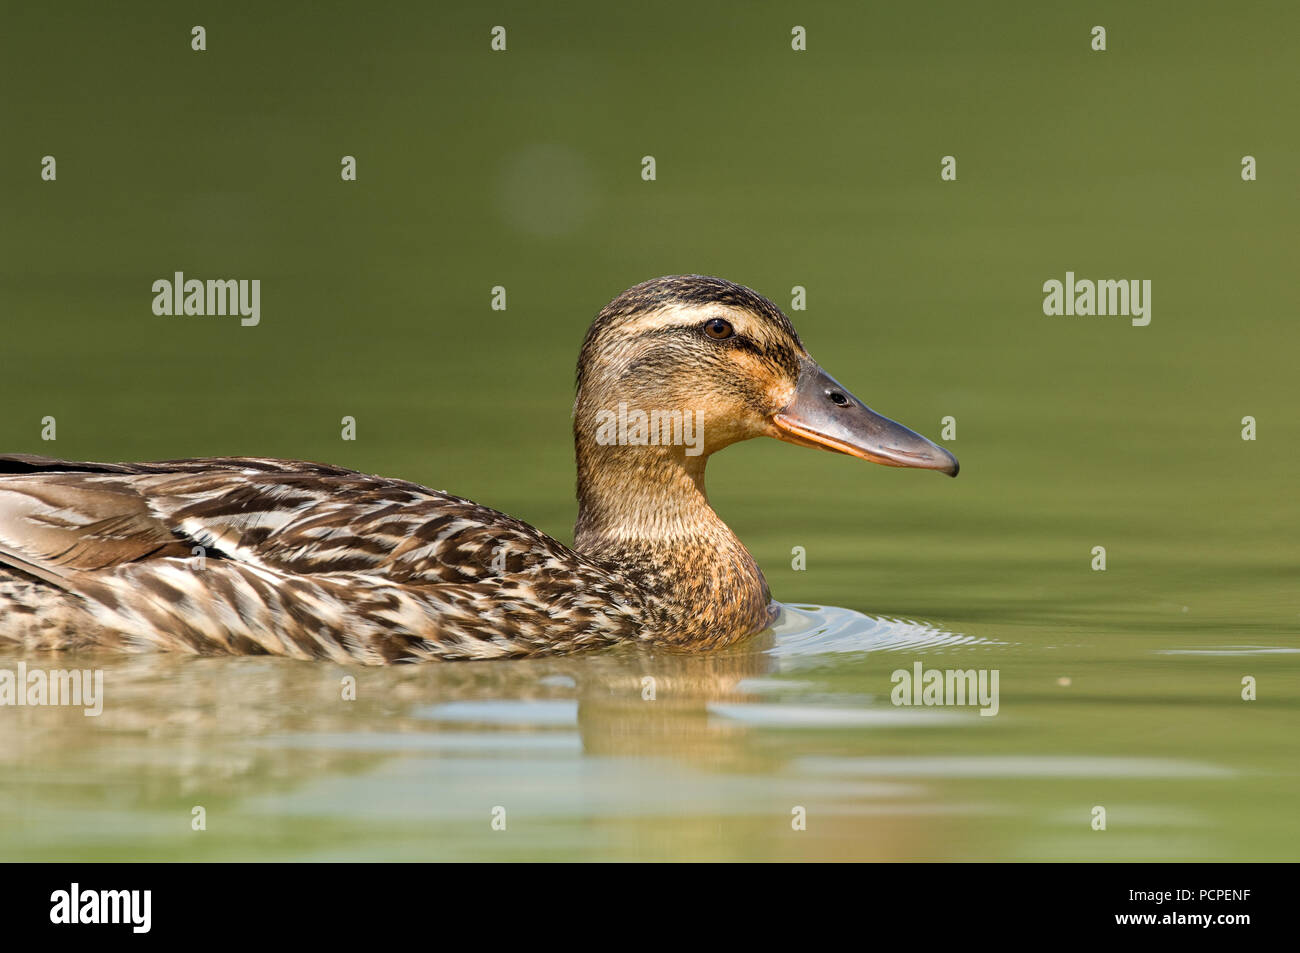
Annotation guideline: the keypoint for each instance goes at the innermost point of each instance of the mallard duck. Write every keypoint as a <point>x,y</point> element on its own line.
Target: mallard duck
<point>246,555</point>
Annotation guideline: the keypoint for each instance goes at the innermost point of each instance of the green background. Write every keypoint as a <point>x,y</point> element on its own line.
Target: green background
<point>775,168</point>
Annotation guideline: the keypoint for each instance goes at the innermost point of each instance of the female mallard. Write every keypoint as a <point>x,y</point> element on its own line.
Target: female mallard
<point>241,556</point>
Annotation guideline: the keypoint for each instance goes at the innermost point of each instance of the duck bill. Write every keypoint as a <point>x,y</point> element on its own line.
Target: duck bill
<point>826,415</point>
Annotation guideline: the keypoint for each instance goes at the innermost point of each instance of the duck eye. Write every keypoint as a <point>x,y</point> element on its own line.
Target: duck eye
<point>718,329</point>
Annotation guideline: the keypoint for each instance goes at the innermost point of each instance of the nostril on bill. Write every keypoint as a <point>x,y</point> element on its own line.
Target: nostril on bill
<point>838,398</point>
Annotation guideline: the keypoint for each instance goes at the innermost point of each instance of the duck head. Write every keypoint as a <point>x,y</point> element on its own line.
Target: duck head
<point>680,367</point>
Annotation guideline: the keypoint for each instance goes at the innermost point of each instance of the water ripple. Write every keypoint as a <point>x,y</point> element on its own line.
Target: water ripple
<point>1232,650</point>
<point>804,632</point>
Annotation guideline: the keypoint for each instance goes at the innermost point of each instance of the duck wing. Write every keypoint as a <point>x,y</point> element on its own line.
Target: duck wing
<point>286,515</point>
<point>302,559</point>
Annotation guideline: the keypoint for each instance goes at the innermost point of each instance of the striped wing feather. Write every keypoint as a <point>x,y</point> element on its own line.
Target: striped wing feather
<point>300,559</point>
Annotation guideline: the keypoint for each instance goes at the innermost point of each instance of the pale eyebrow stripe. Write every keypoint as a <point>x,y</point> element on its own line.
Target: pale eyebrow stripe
<point>674,316</point>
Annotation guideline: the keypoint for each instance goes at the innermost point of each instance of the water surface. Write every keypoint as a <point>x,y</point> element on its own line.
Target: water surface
<point>640,754</point>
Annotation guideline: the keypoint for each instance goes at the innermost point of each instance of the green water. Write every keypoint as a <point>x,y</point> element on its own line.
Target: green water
<point>1120,689</point>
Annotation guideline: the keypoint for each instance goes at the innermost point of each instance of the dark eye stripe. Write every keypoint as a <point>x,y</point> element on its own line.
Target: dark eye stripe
<point>676,330</point>
<point>737,340</point>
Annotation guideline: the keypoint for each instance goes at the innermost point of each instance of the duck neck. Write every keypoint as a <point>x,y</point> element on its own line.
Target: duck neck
<point>645,510</point>
<point>641,495</point>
